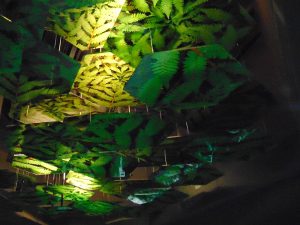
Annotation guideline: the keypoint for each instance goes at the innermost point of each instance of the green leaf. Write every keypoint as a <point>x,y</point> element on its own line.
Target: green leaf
<point>155,2</point>
<point>112,187</point>
<point>165,65</point>
<point>11,55</point>
<point>103,160</point>
<point>101,80</point>
<point>230,37</point>
<point>141,5</point>
<point>99,171</point>
<point>194,65</point>
<point>166,7</point>
<point>215,52</point>
<point>69,192</point>
<point>194,4</point>
<point>132,18</point>
<point>158,39</point>
<point>122,139</point>
<point>215,14</point>
<point>87,28</point>
<point>150,91</point>
<point>143,140</point>
<point>154,126</point>
<point>179,5</point>
<point>95,207</point>
<point>44,61</point>
<point>143,152</point>
<point>182,92</point>
<point>169,176</point>
<point>146,195</point>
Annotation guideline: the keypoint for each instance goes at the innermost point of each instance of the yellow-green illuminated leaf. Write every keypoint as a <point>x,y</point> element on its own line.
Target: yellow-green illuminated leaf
<point>89,27</point>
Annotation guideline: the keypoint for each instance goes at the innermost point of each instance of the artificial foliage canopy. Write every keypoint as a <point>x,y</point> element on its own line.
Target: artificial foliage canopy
<point>176,174</point>
<point>37,71</point>
<point>155,21</point>
<point>98,88</point>
<point>144,26</point>
<point>187,78</point>
<point>95,207</point>
<point>174,58</point>
<point>86,27</point>
<point>70,192</point>
<point>101,79</point>
<point>34,165</point>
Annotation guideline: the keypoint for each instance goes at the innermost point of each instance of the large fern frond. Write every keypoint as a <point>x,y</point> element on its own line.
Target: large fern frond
<point>88,28</point>
<point>165,65</point>
<point>194,65</point>
<point>166,7</point>
<point>132,18</point>
<point>179,5</point>
<point>141,5</point>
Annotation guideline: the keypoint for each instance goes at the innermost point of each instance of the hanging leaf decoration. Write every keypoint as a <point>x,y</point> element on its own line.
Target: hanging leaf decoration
<point>44,61</point>
<point>98,88</point>
<point>95,207</point>
<point>11,49</point>
<point>69,192</point>
<point>87,27</point>
<point>101,80</point>
<point>33,165</point>
<point>185,174</point>
<point>82,181</point>
<point>37,71</point>
<point>202,83</point>
<point>67,146</point>
<point>176,81</point>
<point>176,24</point>
<point>146,195</point>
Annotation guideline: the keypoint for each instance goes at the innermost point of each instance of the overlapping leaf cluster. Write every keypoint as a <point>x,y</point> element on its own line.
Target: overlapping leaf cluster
<point>97,148</point>
<point>158,25</point>
<point>177,85</point>
<point>98,88</point>
<point>190,78</point>
<point>30,69</point>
